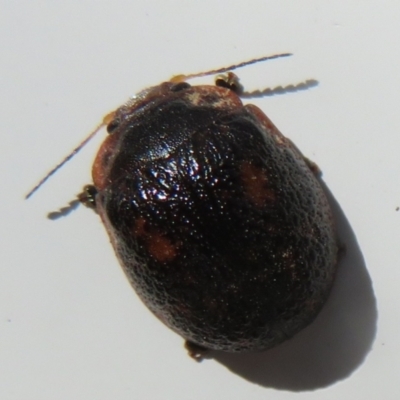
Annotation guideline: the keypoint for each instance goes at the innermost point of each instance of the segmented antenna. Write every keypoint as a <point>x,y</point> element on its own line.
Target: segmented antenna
<point>106,120</point>
<point>181,78</point>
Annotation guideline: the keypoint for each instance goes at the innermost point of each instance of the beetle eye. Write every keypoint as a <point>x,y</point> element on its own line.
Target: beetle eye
<point>179,86</point>
<point>112,126</point>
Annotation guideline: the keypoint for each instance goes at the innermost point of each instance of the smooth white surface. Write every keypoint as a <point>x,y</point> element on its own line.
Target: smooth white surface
<point>70,325</point>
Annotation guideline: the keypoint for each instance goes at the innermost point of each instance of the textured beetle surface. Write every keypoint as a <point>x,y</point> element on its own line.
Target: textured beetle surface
<point>217,219</point>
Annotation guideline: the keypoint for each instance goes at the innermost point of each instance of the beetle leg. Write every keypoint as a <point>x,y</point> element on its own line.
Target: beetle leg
<point>88,196</point>
<point>229,81</point>
<point>195,351</point>
<point>314,167</point>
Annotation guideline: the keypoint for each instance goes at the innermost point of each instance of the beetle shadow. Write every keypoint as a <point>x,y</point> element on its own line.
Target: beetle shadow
<point>335,344</point>
<point>64,211</point>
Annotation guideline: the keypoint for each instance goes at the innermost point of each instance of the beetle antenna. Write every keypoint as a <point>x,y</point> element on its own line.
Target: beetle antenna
<point>106,120</point>
<point>181,78</point>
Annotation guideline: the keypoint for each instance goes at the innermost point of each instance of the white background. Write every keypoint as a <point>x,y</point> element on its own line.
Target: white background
<point>70,325</point>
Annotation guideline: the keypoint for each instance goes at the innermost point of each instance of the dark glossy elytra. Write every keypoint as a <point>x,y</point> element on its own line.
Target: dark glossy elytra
<point>219,222</point>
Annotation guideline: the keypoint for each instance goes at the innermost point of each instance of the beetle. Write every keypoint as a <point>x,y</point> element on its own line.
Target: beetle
<point>219,222</point>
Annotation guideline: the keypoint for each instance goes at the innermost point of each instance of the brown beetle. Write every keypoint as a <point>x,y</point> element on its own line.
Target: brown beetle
<point>219,222</point>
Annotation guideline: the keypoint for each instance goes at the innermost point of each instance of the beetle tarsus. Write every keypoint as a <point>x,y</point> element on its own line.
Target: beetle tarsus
<point>195,351</point>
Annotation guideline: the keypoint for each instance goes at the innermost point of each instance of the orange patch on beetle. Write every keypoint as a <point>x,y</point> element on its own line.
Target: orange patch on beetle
<point>161,248</point>
<point>255,184</point>
<point>157,244</point>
